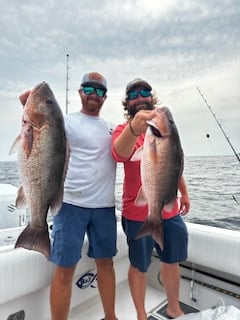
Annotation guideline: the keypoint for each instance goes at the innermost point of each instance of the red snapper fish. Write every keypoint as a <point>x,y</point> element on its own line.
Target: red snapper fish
<point>161,169</point>
<point>42,161</point>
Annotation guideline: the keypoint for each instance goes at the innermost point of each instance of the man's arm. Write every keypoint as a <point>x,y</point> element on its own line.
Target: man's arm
<point>184,198</point>
<point>125,142</point>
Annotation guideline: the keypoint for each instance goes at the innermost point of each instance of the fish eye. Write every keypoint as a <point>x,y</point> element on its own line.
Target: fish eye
<point>49,101</point>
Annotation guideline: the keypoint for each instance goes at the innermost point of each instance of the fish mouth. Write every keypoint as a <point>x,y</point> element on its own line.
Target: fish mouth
<point>154,129</point>
<point>156,132</point>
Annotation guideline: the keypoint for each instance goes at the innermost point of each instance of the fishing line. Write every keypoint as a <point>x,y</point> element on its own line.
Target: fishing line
<point>220,196</point>
<point>67,79</point>
<point>235,199</point>
<point>210,144</point>
<point>219,124</point>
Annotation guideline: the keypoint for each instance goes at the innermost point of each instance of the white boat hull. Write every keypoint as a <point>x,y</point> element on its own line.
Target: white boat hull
<point>210,277</point>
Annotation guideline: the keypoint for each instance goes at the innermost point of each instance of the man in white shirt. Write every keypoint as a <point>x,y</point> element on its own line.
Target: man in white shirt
<point>89,204</point>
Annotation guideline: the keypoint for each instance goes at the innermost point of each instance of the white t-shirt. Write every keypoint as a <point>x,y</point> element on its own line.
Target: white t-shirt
<point>91,173</point>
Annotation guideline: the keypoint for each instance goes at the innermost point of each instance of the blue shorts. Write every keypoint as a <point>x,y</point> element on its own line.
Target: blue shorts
<point>175,243</point>
<point>69,228</point>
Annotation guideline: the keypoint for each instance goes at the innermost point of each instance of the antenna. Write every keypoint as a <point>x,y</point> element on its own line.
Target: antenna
<point>219,124</point>
<point>67,78</point>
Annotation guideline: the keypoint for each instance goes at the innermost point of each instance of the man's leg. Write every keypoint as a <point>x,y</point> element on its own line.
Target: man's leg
<point>107,286</point>
<point>170,278</point>
<point>60,293</point>
<point>137,283</point>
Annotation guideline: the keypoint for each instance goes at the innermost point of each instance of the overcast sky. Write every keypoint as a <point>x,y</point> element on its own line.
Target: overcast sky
<point>175,45</point>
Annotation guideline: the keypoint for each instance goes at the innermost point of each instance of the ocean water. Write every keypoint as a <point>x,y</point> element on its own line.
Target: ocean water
<point>213,185</point>
<point>214,190</point>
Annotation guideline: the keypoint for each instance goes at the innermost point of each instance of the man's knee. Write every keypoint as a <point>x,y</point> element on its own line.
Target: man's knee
<point>104,263</point>
<point>64,275</point>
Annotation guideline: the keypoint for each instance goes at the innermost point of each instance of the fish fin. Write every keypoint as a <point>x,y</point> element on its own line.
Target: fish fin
<point>157,235</point>
<point>15,145</point>
<point>145,230</point>
<point>168,207</point>
<point>57,202</point>
<point>33,238</point>
<point>137,156</point>
<point>21,201</point>
<point>151,229</point>
<point>27,137</point>
<point>140,200</point>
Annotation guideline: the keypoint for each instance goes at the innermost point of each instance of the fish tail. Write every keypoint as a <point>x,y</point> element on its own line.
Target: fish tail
<point>157,235</point>
<point>33,238</point>
<point>149,228</point>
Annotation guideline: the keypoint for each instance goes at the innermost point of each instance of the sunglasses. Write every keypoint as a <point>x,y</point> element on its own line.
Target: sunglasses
<point>134,94</point>
<point>91,90</point>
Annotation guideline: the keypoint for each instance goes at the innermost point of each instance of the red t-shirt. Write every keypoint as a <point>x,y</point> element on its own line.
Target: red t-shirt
<point>132,182</point>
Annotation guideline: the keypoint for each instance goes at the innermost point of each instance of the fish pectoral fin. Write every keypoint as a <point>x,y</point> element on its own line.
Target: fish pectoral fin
<point>137,156</point>
<point>169,206</point>
<point>140,200</point>
<point>27,136</point>
<point>21,200</point>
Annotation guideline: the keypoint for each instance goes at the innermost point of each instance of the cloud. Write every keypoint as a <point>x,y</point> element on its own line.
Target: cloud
<point>174,46</point>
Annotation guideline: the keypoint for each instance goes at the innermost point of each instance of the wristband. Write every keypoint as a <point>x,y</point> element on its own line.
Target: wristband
<point>132,131</point>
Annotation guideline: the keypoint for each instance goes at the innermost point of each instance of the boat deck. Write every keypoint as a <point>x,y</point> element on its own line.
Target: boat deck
<point>156,303</point>
<point>124,307</point>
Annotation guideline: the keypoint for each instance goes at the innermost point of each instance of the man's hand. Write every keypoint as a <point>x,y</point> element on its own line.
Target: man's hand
<point>23,97</point>
<point>139,122</point>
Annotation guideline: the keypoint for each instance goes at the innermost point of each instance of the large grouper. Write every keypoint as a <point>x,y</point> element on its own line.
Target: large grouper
<point>161,169</point>
<point>42,162</point>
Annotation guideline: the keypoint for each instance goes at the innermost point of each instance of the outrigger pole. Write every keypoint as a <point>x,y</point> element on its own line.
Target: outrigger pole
<point>67,78</point>
<point>219,124</point>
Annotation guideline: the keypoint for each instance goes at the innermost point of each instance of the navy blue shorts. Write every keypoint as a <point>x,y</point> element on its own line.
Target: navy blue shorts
<point>175,243</point>
<point>69,228</point>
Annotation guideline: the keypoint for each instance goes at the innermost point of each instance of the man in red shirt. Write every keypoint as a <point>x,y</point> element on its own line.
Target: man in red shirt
<point>127,138</point>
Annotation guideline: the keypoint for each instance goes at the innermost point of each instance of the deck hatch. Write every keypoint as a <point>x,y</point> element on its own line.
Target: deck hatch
<point>159,313</point>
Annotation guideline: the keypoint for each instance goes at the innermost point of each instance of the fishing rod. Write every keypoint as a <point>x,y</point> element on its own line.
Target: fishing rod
<point>219,124</point>
<point>67,78</point>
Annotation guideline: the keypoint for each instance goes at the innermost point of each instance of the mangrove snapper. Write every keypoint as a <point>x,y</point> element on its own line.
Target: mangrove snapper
<point>42,161</point>
<point>161,168</point>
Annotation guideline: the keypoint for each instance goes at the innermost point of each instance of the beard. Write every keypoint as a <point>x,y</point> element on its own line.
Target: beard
<point>139,106</point>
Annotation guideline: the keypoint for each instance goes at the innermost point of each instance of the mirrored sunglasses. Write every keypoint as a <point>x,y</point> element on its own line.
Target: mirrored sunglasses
<point>91,90</point>
<point>134,94</point>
